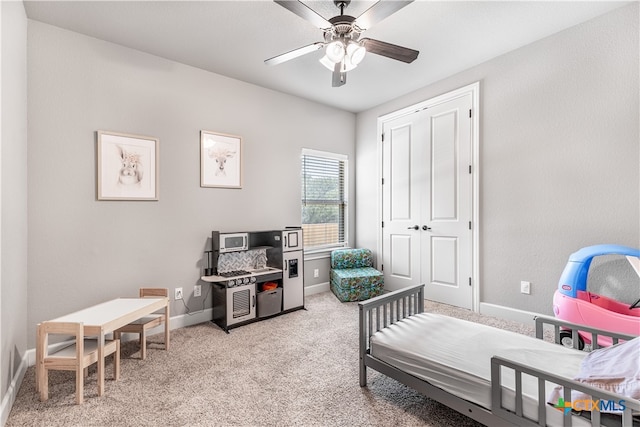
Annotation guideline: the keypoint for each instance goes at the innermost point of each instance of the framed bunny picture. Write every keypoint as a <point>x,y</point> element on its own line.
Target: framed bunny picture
<point>220,160</point>
<point>127,166</point>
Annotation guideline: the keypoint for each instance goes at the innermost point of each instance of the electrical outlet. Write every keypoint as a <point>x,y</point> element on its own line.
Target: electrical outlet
<point>316,272</point>
<point>525,287</point>
<point>197,290</point>
<point>178,294</point>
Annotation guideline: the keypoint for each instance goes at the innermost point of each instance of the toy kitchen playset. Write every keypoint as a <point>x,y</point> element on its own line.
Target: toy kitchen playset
<point>255,275</point>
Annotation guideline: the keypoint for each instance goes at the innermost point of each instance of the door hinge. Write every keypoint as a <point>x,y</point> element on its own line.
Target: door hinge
<point>469,225</point>
<point>381,267</point>
<point>469,281</point>
<point>469,168</point>
<point>382,224</point>
<point>382,137</point>
<point>382,181</point>
<point>469,112</point>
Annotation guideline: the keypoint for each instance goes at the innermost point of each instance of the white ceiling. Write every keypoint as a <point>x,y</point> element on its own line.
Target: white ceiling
<point>233,38</point>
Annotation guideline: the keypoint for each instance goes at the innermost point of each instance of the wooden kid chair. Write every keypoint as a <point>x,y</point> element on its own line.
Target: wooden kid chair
<point>77,356</point>
<point>141,325</point>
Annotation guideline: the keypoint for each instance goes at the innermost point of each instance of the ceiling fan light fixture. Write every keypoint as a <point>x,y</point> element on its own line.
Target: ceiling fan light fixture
<point>355,53</point>
<point>327,63</point>
<point>345,66</point>
<point>335,51</point>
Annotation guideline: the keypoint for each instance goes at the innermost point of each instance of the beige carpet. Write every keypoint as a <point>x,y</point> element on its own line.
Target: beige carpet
<point>298,369</point>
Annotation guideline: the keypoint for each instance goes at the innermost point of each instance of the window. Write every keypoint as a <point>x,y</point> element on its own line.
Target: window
<point>324,199</point>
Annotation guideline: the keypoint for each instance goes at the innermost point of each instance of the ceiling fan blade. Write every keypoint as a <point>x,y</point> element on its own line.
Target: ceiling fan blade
<point>379,11</point>
<point>389,50</point>
<point>305,12</point>
<point>339,77</point>
<point>294,54</point>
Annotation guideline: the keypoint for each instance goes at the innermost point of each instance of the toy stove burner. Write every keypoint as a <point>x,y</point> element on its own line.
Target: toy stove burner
<point>234,273</point>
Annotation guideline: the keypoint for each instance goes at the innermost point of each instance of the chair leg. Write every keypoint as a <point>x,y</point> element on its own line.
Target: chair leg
<point>166,337</point>
<point>79,384</point>
<point>40,347</point>
<point>116,361</point>
<point>167,333</point>
<point>44,384</point>
<point>143,344</point>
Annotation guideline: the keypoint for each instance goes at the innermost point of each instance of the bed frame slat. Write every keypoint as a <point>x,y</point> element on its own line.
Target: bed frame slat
<point>542,396</point>
<point>519,402</point>
<point>566,421</point>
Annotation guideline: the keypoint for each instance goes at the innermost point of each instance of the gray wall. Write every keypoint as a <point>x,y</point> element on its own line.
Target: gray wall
<point>83,251</point>
<point>13,197</point>
<point>559,153</point>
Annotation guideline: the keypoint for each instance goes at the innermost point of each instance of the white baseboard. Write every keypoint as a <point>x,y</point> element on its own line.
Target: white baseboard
<point>508,313</point>
<point>12,392</point>
<point>187,320</point>
<point>316,289</point>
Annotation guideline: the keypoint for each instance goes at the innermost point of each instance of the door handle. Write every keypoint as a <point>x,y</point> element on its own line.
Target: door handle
<point>415,227</point>
<point>426,228</point>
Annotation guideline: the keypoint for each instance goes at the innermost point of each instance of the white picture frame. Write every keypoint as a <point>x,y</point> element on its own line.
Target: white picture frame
<point>127,166</point>
<point>220,160</point>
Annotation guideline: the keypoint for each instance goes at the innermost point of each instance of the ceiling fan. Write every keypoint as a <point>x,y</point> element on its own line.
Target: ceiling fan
<point>344,49</point>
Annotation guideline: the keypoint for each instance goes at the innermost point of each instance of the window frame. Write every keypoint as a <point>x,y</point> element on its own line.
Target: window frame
<point>326,249</point>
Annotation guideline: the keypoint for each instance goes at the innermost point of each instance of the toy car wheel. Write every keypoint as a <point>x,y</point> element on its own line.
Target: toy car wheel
<point>567,341</point>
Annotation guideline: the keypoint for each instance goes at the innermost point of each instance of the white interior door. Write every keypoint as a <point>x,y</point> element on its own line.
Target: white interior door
<point>447,195</point>
<point>427,201</point>
<point>403,151</point>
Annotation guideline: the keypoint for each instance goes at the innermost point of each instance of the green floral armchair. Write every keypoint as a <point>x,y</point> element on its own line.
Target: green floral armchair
<point>352,275</point>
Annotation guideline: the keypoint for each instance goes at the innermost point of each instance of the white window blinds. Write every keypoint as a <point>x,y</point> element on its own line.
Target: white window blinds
<point>324,199</point>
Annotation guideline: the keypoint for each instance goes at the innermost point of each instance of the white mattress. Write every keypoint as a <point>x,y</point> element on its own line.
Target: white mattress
<point>455,355</point>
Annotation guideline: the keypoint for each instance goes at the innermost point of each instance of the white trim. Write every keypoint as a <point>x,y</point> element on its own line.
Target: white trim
<point>379,195</point>
<point>474,90</point>
<point>328,154</point>
<point>320,254</point>
<point>314,254</point>
<point>316,289</point>
<point>475,178</point>
<point>12,392</point>
<point>185,320</point>
<point>508,313</point>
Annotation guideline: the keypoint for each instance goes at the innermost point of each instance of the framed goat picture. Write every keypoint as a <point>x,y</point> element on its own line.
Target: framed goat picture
<point>220,160</point>
<point>127,166</point>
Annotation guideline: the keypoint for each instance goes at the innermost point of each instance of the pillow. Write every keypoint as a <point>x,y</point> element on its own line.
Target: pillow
<point>615,369</point>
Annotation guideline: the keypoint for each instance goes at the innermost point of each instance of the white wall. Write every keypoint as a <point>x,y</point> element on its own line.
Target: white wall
<point>13,201</point>
<point>559,155</point>
<point>83,251</point>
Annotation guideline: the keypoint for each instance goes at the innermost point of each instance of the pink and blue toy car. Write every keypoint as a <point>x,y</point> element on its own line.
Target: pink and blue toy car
<point>572,301</point>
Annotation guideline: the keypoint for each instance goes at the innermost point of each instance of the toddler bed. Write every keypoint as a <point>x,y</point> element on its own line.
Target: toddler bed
<point>494,376</point>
